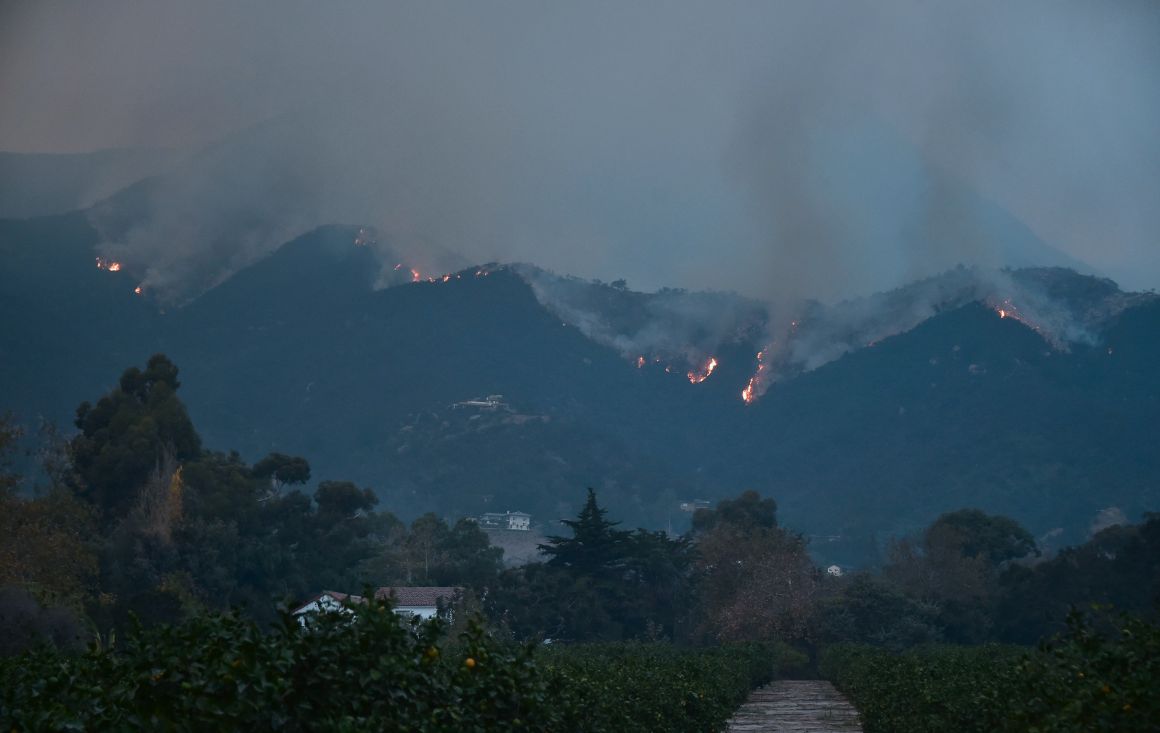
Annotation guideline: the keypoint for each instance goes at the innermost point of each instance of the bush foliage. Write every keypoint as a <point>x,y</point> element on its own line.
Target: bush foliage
<point>371,671</point>
<point>1086,679</point>
<point>660,687</point>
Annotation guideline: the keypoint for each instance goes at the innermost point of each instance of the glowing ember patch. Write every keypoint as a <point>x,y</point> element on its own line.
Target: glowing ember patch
<point>110,265</point>
<point>416,276</point>
<point>1002,313</point>
<point>639,362</point>
<point>446,278</point>
<point>697,377</point>
<point>138,290</point>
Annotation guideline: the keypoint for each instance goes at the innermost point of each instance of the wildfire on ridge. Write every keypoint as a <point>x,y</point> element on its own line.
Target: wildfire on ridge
<point>749,394</point>
<point>1007,309</point>
<point>418,277</point>
<point>110,265</point>
<point>696,377</point>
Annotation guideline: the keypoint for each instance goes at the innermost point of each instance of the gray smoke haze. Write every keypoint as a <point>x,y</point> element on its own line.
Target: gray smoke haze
<point>681,330</point>
<point>782,150</point>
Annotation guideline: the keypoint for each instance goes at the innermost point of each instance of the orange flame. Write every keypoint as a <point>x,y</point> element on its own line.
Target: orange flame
<point>698,377</point>
<point>416,276</point>
<point>110,265</point>
<point>138,290</point>
<point>749,394</point>
<point>640,362</point>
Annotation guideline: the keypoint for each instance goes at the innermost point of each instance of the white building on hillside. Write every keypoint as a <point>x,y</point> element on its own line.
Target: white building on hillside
<point>506,520</point>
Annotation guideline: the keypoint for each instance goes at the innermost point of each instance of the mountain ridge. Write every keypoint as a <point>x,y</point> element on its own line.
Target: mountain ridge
<point>306,352</point>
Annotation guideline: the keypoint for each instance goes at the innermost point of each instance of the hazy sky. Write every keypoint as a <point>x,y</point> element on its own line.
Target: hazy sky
<point>816,148</point>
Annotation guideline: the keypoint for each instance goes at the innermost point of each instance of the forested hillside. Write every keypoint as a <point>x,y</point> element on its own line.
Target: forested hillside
<point>325,349</point>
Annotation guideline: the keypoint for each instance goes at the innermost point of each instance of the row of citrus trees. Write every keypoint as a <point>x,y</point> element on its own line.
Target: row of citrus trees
<point>372,673</point>
<point>1091,678</point>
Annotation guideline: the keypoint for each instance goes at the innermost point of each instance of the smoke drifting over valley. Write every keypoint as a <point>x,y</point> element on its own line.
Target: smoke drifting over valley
<point>819,150</point>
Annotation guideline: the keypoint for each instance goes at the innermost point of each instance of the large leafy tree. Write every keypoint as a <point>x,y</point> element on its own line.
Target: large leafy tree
<point>280,469</point>
<point>749,511</point>
<point>1118,567</point>
<point>127,433</point>
<point>756,580</point>
<point>957,565</point>
<point>993,538</point>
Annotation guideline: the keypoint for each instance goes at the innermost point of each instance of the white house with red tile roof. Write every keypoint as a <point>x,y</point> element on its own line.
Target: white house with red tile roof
<point>422,601</point>
<point>419,601</point>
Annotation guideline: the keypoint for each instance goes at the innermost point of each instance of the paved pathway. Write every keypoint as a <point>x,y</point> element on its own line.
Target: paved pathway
<point>796,706</point>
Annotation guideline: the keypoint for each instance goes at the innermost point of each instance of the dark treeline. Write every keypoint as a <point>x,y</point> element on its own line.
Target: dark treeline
<point>138,518</point>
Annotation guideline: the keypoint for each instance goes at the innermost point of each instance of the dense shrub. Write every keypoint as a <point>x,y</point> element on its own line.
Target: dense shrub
<point>224,673</point>
<point>659,687</point>
<point>370,672</point>
<point>1082,680</point>
<point>937,688</point>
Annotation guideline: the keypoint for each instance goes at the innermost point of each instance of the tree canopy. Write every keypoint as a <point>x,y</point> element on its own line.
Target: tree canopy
<point>124,436</point>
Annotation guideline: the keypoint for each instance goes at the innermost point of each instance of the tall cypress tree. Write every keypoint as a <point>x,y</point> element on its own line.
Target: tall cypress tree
<point>595,545</point>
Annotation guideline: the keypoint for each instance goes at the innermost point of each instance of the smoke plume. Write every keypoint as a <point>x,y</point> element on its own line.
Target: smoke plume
<point>816,150</point>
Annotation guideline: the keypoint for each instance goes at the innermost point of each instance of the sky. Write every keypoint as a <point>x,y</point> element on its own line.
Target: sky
<point>823,149</point>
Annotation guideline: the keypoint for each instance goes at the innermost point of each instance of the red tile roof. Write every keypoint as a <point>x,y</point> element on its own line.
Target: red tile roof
<point>430,595</point>
<point>403,596</point>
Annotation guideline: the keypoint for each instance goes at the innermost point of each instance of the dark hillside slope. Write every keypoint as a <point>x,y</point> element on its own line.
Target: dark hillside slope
<point>69,328</point>
<point>301,353</point>
<point>966,410</point>
<point>334,368</point>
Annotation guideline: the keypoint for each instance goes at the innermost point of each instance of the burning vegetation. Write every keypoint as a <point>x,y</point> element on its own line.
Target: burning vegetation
<point>698,376</point>
<point>110,265</point>
<point>417,276</point>
<point>754,389</point>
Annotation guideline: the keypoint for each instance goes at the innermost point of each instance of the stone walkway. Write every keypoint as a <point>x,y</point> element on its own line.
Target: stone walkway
<point>800,706</point>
